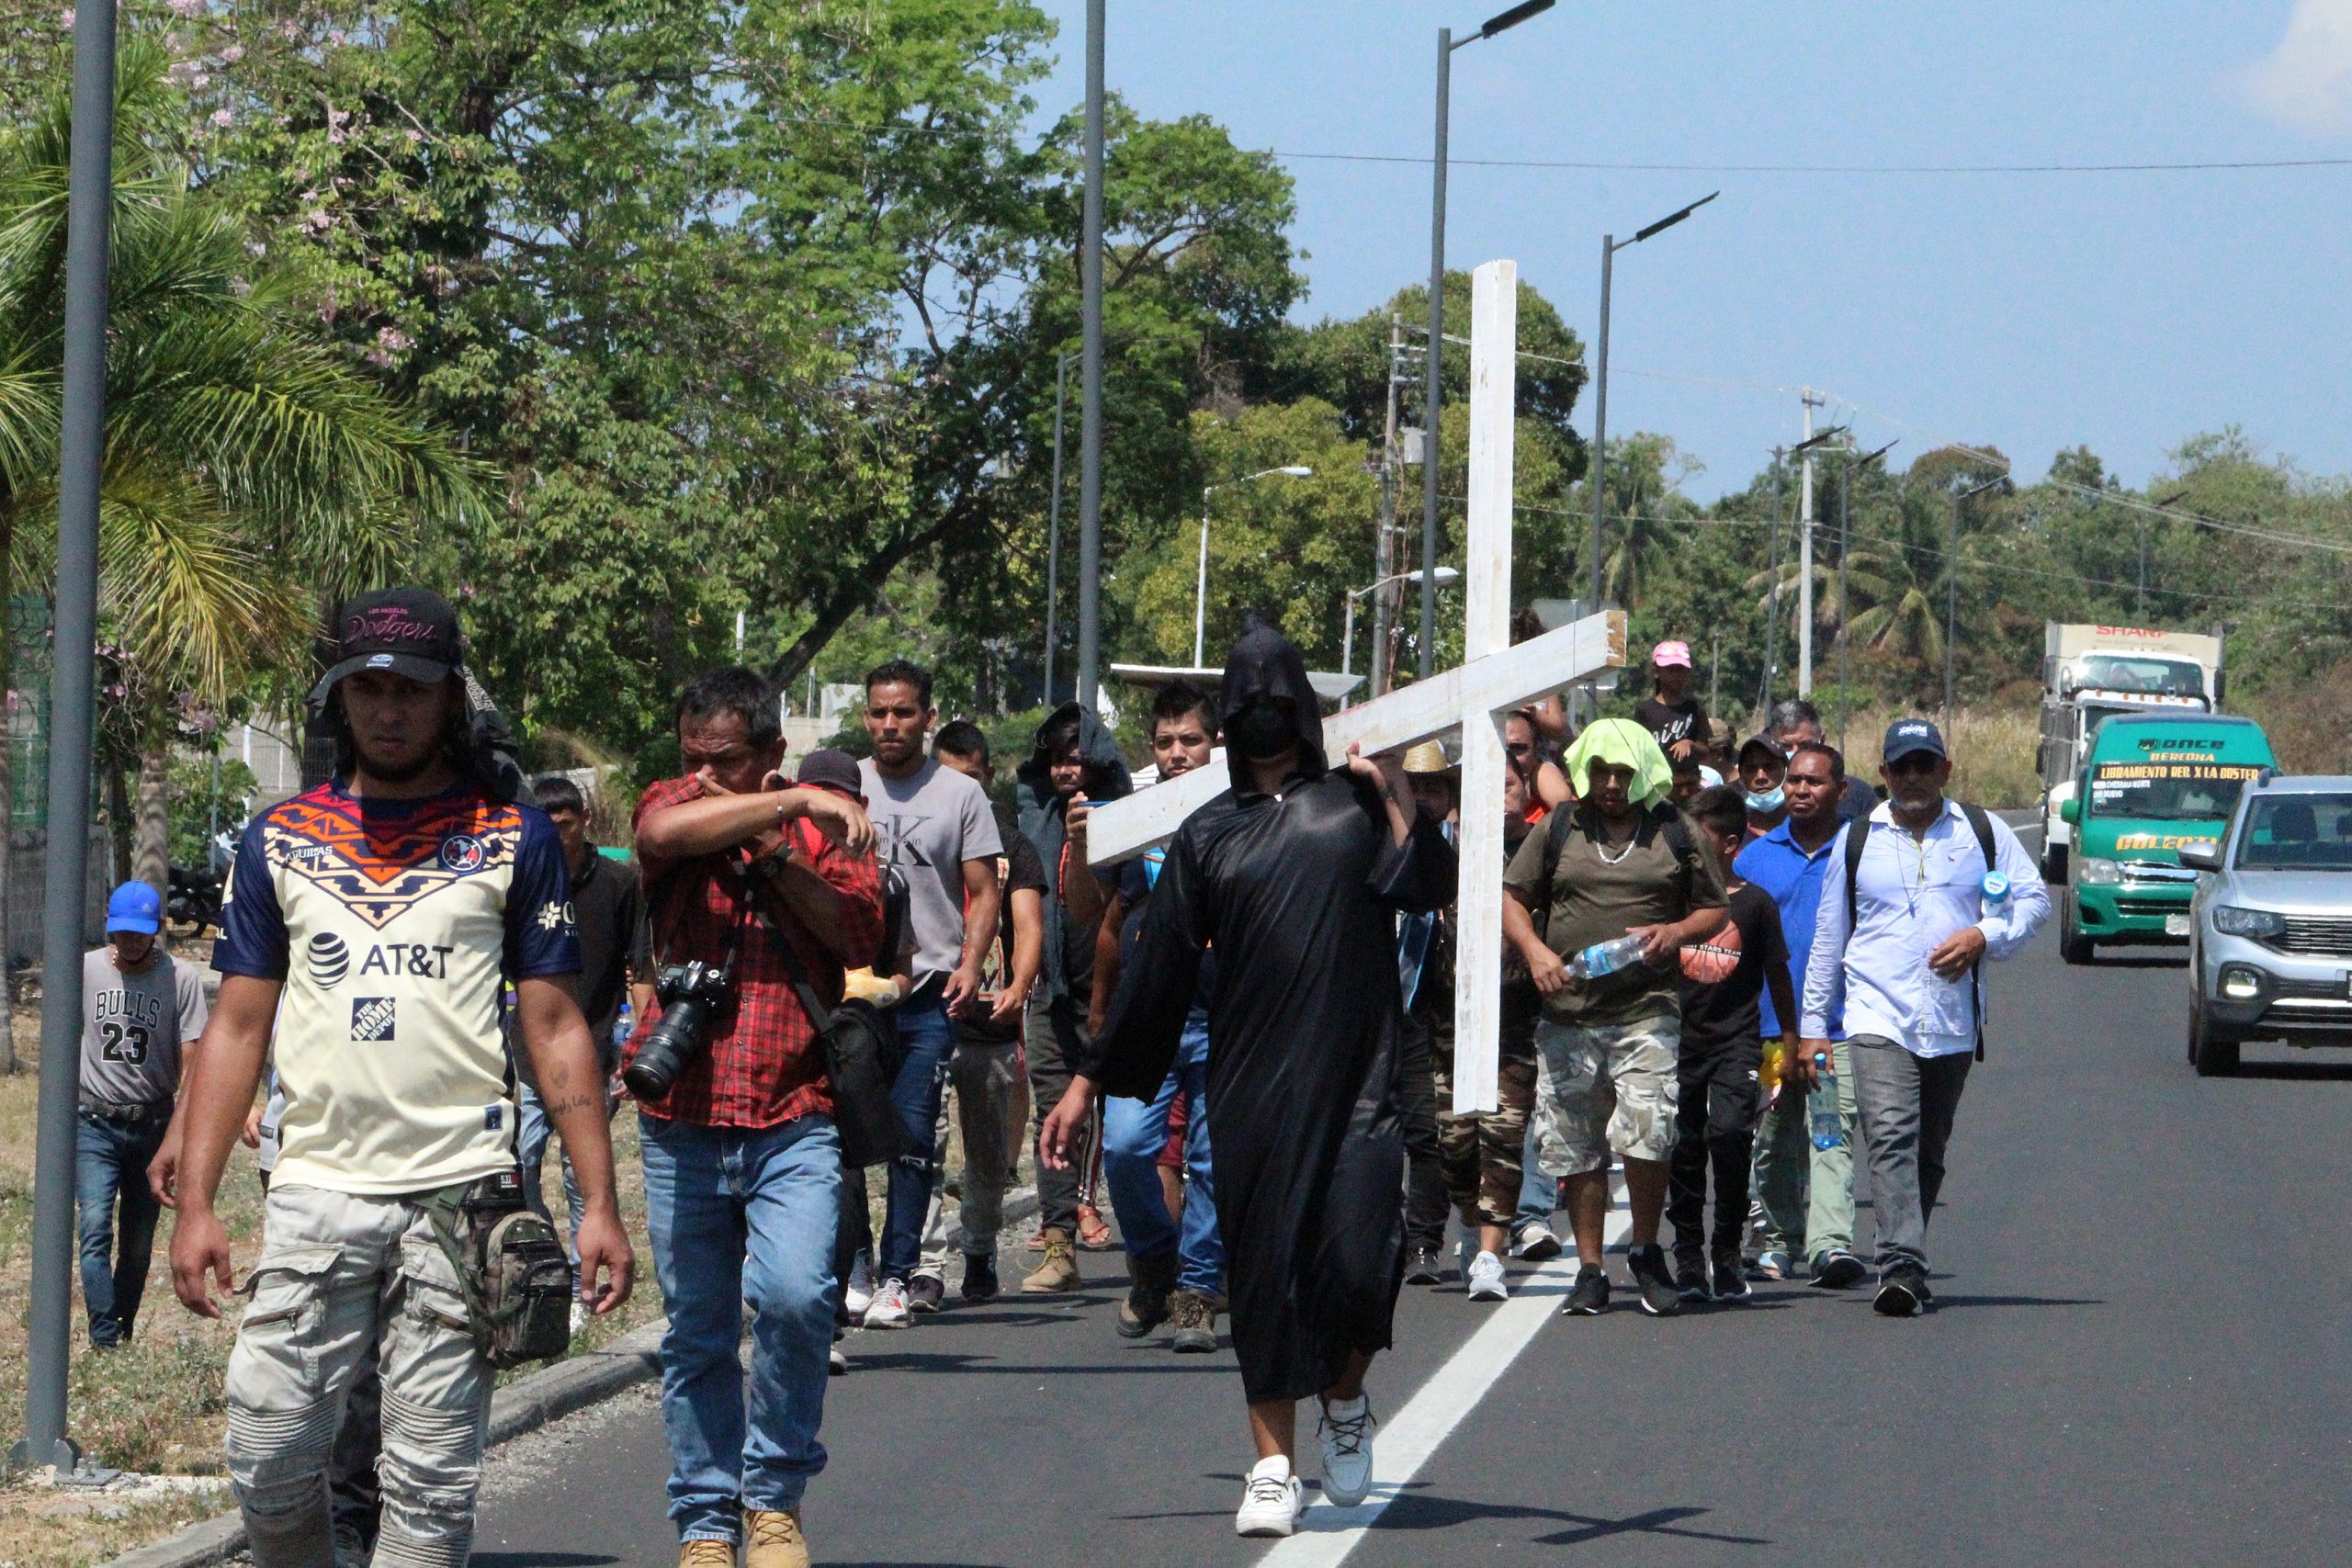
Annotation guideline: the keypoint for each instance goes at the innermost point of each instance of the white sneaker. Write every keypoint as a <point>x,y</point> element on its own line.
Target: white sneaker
<point>857,1294</point>
<point>1486,1277</point>
<point>888,1309</point>
<point>1345,1434</point>
<point>1535,1243</point>
<point>1269,1500</point>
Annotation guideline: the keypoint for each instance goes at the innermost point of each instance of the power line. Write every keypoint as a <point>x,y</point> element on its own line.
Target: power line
<point>1593,165</point>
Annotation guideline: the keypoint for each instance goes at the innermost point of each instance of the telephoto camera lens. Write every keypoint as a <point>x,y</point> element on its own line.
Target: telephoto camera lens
<point>688,992</point>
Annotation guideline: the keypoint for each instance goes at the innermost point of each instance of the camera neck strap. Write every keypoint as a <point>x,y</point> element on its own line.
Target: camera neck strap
<point>820,1017</point>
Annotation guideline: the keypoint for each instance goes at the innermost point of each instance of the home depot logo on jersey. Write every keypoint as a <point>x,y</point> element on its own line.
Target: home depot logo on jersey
<point>371,1018</point>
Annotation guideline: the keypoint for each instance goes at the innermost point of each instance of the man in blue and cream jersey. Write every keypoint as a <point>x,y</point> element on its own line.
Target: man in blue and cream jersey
<point>374,923</point>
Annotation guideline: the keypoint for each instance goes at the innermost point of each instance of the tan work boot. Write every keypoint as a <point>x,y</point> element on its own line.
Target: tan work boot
<point>774,1539</point>
<point>707,1554</point>
<point>1059,1272</point>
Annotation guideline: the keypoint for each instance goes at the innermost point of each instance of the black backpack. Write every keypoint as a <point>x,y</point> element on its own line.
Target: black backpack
<point>1858,832</point>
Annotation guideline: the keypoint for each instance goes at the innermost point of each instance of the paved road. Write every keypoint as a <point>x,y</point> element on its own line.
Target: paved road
<point>2141,1358</point>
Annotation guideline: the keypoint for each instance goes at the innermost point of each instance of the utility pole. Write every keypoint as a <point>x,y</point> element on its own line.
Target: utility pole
<point>71,697</point>
<point>1430,393</point>
<point>1089,419</point>
<point>1598,467</point>
<point>1805,553</point>
<point>1053,526</point>
<point>1385,545</point>
<point>1952,588</point>
<point>1772,582</point>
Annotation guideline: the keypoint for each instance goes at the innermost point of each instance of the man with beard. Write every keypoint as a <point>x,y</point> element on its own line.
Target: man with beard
<point>1296,875</point>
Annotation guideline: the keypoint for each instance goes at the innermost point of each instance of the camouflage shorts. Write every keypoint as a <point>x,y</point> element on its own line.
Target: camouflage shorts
<point>1604,1087</point>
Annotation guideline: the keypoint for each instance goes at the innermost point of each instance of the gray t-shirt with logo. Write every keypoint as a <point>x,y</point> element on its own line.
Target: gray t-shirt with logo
<point>928,825</point>
<point>132,1026</point>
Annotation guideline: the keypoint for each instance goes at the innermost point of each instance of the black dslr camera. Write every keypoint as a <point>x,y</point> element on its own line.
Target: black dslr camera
<point>689,992</point>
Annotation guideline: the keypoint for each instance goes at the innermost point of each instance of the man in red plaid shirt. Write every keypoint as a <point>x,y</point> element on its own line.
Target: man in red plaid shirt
<point>742,1167</point>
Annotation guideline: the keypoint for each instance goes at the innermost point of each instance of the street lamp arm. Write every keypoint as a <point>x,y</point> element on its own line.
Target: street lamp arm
<point>1511,19</point>
<point>1669,220</point>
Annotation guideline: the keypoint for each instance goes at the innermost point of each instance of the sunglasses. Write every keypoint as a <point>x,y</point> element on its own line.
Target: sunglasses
<point>1915,762</point>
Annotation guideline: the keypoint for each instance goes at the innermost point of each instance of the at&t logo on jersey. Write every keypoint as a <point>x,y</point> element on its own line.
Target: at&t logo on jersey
<point>328,958</point>
<point>371,1018</point>
<point>462,853</point>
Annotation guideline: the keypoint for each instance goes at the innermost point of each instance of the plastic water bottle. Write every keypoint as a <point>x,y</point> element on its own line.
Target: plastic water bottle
<point>1605,958</point>
<point>624,1024</point>
<point>1828,1127</point>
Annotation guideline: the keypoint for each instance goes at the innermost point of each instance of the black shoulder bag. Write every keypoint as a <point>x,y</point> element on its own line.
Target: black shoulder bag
<point>862,1059</point>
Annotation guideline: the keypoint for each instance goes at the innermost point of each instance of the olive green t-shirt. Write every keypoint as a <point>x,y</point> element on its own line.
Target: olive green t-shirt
<point>1598,896</point>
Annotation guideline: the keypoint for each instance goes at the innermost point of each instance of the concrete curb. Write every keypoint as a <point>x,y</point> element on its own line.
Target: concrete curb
<point>548,1395</point>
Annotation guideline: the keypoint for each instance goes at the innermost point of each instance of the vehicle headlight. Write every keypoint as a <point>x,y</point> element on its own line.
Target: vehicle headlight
<point>2230,921</point>
<point>2240,984</point>
<point>2102,873</point>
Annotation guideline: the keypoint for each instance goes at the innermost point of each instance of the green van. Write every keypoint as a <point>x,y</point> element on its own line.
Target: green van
<point>2150,783</point>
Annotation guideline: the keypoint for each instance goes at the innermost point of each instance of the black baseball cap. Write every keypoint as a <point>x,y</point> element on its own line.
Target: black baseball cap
<point>1764,743</point>
<point>408,631</point>
<point>832,769</point>
<point>1907,736</point>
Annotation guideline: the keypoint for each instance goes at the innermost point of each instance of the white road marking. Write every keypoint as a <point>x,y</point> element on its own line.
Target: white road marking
<point>1406,1441</point>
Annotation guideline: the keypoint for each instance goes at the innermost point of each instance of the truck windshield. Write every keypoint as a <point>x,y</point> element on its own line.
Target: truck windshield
<point>2298,832</point>
<point>2124,672</point>
<point>2168,792</point>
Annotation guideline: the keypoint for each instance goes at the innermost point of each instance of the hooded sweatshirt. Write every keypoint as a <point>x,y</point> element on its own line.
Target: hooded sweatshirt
<point>1070,946</point>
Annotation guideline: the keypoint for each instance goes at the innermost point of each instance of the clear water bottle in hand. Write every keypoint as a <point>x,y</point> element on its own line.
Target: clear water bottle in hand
<point>1828,1127</point>
<point>1605,958</point>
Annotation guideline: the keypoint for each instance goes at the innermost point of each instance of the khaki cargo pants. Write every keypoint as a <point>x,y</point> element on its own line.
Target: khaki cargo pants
<point>340,1276</point>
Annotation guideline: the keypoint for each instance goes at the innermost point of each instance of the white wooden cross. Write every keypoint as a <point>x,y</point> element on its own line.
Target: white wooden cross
<point>1494,678</point>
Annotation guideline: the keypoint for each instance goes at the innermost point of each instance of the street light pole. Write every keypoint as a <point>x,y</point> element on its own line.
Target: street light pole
<point>1348,639</point>
<point>1598,466</point>
<point>81,451</point>
<point>1446,45</point>
<point>1201,590</point>
<point>1951,589</point>
<point>1089,419</point>
<point>1053,524</point>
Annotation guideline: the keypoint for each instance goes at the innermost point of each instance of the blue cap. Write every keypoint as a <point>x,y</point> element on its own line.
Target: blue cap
<point>1908,735</point>
<point>135,906</point>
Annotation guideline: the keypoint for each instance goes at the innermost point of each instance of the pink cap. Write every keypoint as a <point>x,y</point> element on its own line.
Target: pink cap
<point>1672,653</point>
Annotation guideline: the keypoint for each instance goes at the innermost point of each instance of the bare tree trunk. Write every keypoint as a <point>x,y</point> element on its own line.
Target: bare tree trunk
<point>150,852</point>
<point>8,791</point>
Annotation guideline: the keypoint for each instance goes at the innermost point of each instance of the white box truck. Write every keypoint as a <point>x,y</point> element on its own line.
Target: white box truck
<point>2090,671</point>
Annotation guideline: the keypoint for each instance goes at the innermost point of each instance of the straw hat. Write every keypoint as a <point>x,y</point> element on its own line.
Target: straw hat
<point>1429,757</point>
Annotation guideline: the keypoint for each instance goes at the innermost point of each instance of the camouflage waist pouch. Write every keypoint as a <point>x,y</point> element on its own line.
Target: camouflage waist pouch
<point>512,1268</point>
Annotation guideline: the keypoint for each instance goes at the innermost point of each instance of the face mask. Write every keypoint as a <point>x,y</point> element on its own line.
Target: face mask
<point>1261,730</point>
<point>1772,800</point>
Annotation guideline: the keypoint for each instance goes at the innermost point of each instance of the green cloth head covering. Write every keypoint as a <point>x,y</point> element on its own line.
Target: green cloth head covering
<point>1621,743</point>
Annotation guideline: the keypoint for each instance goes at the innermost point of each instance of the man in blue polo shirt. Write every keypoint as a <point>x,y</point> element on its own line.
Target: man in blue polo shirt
<point>1792,864</point>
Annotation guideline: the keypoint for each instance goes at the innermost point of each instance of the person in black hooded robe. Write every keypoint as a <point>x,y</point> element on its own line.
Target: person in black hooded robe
<point>1295,874</point>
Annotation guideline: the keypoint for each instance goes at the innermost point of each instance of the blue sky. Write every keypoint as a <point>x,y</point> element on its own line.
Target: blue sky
<point>2124,311</point>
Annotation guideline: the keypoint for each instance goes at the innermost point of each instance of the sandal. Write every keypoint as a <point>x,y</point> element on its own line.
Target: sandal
<point>1094,1235</point>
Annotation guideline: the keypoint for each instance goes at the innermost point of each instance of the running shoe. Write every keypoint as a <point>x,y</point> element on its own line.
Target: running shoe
<point>839,1366</point>
<point>858,1294</point>
<point>1774,1265</point>
<point>1901,1292</point>
<point>1345,1429</point>
<point>1589,1298</point>
<point>1486,1278</point>
<point>1269,1500</point>
<point>1421,1267</point>
<point>1731,1276</point>
<point>1646,1266</point>
<point>1690,1276</point>
<point>890,1306</point>
<point>1535,1243</point>
<point>926,1293</point>
<point>1839,1270</point>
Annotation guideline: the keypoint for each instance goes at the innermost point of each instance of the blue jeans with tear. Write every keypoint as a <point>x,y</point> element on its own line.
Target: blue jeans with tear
<point>927,1037</point>
<point>742,1217</point>
<point>1134,1132</point>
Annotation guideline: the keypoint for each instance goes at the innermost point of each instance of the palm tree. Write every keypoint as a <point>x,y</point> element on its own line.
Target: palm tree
<point>249,470</point>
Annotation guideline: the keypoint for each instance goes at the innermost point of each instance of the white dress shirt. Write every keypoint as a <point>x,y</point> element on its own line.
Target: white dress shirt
<point>1910,895</point>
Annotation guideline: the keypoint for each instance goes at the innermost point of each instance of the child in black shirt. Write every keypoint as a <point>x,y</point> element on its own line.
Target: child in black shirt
<point>1720,1056</point>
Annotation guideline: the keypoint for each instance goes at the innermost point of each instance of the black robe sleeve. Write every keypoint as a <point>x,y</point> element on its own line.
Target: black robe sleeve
<point>1418,875</point>
<point>1131,1056</point>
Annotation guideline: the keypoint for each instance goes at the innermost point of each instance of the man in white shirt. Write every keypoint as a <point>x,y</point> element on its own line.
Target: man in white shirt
<point>1933,889</point>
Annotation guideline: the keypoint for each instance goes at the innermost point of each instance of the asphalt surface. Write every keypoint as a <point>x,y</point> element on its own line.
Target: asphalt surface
<point>2140,1356</point>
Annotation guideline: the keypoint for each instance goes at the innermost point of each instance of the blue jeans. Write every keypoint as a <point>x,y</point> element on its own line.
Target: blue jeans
<point>1134,1132</point>
<point>110,1159</point>
<point>1539,1195</point>
<point>927,1035</point>
<point>742,1218</point>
